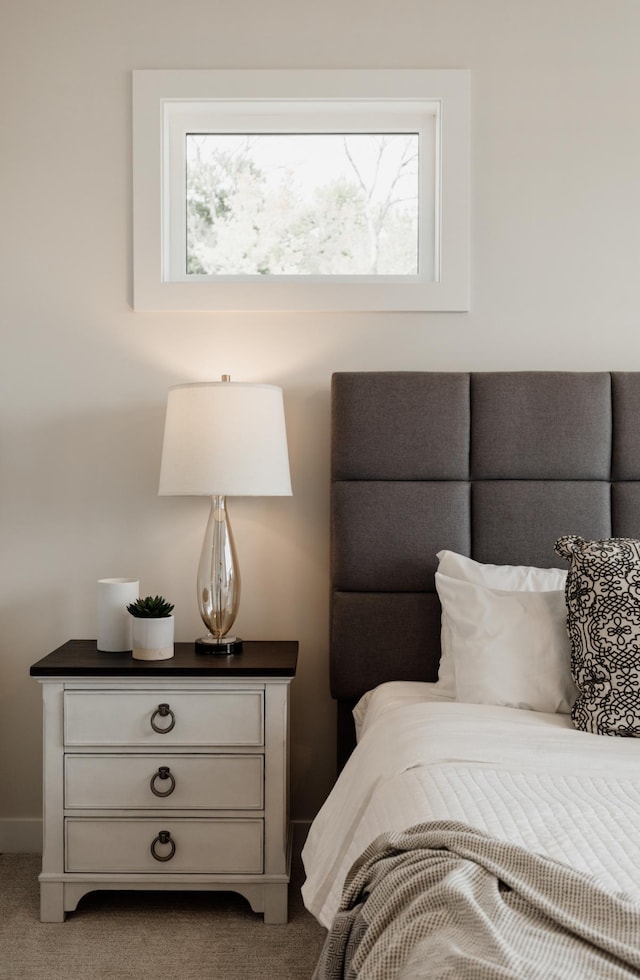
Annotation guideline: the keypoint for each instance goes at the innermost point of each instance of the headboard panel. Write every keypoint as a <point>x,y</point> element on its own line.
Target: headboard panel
<point>491,465</point>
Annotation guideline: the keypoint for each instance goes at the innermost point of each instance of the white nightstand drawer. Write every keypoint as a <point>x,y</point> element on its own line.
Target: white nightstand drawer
<point>192,846</point>
<point>211,782</point>
<point>164,717</point>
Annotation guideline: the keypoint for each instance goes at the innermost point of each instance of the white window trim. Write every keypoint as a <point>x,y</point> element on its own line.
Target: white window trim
<point>288,116</point>
<point>395,92</point>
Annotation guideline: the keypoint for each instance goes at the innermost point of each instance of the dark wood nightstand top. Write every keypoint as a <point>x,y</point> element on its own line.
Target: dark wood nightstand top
<point>259,658</point>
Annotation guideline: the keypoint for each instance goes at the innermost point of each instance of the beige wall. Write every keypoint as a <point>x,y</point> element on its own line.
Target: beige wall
<point>555,259</point>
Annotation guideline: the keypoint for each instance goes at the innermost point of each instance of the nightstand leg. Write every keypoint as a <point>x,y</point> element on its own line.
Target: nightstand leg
<point>276,904</point>
<point>51,902</point>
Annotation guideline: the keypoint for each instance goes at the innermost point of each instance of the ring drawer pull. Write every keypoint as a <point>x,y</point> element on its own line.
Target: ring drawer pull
<point>163,773</point>
<point>164,837</point>
<point>163,710</point>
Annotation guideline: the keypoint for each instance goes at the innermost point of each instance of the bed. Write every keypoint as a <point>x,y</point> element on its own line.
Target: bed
<point>485,638</point>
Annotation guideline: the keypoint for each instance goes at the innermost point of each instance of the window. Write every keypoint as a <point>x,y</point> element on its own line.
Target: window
<point>298,204</point>
<point>300,190</point>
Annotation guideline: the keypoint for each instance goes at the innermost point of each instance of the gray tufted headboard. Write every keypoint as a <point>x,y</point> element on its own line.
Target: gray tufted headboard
<point>491,465</point>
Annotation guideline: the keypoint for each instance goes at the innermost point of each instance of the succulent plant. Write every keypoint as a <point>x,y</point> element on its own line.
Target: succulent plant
<point>151,607</point>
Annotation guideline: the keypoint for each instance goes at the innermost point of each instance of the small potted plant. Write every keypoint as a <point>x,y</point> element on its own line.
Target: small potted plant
<point>152,628</point>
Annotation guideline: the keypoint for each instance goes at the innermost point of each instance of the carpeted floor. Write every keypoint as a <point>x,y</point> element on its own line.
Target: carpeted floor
<point>150,935</point>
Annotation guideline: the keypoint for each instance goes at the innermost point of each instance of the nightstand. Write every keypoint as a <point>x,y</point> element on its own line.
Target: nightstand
<point>166,775</point>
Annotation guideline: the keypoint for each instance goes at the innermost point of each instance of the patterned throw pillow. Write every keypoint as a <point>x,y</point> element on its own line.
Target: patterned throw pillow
<point>603,622</point>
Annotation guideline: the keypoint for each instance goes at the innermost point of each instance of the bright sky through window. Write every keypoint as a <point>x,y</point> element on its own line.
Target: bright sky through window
<point>316,204</point>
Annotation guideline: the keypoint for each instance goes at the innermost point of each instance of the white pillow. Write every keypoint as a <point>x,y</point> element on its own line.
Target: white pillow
<point>509,647</point>
<point>516,578</point>
<point>507,577</point>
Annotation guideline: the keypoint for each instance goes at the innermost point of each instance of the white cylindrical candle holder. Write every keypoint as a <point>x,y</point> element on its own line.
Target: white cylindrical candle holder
<point>114,622</point>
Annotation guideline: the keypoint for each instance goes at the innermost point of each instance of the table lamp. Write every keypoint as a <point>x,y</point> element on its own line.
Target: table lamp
<point>222,439</point>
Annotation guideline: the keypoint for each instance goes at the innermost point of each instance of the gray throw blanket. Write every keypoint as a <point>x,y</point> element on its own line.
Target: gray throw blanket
<point>442,900</point>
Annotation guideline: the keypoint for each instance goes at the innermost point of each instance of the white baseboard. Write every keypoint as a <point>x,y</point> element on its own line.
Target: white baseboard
<point>21,836</point>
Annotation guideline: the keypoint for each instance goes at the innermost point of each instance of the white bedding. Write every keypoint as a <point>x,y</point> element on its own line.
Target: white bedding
<point>522,776</point>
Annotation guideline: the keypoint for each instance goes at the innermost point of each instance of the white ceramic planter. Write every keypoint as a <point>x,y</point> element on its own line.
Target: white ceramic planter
<point>152,638</point>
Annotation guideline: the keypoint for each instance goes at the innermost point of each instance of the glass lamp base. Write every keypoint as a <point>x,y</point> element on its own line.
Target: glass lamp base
<point>221,646</point>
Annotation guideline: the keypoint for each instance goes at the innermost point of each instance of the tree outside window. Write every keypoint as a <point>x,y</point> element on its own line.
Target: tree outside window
<point>302,204</point>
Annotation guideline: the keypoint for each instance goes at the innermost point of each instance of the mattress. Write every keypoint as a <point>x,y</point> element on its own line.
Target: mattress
<point>521,776</point>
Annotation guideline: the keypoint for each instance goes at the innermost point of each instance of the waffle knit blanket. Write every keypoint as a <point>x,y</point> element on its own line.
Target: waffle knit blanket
<point>443,900</point>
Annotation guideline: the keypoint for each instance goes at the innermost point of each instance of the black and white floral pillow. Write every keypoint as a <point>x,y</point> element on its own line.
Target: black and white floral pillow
<point>603,622</point>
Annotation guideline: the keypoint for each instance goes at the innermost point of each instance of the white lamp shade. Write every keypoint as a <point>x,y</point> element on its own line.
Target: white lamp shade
<point>225,438</point>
